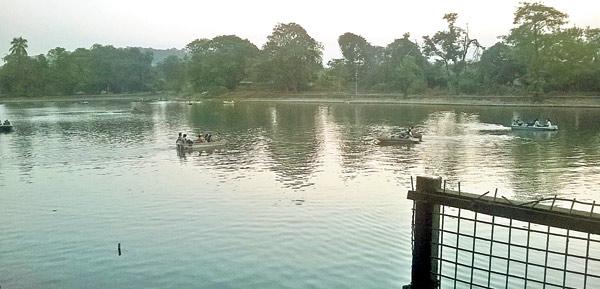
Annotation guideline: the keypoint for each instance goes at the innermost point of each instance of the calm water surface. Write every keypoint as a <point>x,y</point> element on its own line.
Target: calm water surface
<point>299,198</point>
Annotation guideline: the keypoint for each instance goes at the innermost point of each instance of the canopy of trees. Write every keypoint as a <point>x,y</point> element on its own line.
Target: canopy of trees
<point>541,54</point>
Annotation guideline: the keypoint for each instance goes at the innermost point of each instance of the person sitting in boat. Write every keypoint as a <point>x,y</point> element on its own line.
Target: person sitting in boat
<point>200,139</point>
<point>414,134</point>
<point>208,137</point>
<point>6,122</point>
<point>179,139</point>
<point>537,123</point>
<point>517,122</point>
<point>185,140</point>
<point>548,123</point>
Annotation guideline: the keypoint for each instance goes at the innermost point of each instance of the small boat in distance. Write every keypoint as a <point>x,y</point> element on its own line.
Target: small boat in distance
<point>397,139</point>
<point>6,127</point>
<point>228,102</point>
<point>402,137</point>
<point>535,126</point>
<point>202,146</point>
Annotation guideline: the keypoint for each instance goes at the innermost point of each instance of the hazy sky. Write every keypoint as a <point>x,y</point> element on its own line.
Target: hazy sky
<point>174,23</point>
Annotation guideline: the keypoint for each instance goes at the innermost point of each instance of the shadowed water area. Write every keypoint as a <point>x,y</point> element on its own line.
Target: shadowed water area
<point>300,197</point>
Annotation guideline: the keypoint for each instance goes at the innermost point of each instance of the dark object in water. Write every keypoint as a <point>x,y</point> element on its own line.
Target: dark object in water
<point>119,248</point>
<point>6,128</point>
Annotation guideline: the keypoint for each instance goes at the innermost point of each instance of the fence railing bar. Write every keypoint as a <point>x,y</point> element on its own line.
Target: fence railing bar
<point>554,199</point>
<point>566,257</point>
<point>441,238</point>
<point>508,262</point>
<point>546,255</point>
<point>473,254</point>
<point>587,255</point>
<point>557,217</point>
<point>527,253</point>
<point>491,244</point>
<point>457,242</point>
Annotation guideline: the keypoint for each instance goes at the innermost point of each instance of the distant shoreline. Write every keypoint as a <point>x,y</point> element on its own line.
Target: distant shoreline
<point>459,101</point>
<point>331,98</point>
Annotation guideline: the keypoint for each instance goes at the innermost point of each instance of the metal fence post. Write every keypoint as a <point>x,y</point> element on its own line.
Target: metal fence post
<point>425,233</point>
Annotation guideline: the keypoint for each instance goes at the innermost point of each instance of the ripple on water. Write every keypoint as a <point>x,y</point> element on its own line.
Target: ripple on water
<point>300,196</point>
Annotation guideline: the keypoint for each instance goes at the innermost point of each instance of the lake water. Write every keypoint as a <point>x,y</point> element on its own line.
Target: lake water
<point>300,197</point>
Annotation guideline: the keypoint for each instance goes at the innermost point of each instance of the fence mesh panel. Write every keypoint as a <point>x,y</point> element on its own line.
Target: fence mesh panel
<point>476,250</point>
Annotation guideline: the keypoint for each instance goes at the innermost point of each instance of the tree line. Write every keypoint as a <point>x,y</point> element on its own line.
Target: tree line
<point>539,55</point>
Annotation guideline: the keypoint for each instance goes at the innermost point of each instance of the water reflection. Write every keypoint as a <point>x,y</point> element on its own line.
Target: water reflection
<point>300,185</point>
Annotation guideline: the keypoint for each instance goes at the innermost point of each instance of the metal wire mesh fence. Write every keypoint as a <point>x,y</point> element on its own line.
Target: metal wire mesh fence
<point>482,241</point>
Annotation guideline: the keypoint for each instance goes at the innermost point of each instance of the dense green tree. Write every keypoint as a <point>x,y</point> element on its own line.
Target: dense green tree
<point>532,36</point>
<point>452,47</point>
<point>291,58</point>
<point>354,47</point>
<point>405,65</point>
<point>355,50</point>
<point>374,69</point>
<point>172,72</point>
<point>334,77</point>
<point>498,66</point>
<point>62,78</point>
<point>220,62</point>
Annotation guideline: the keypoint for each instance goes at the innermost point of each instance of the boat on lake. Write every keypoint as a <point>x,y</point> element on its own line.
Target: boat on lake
<point>527,127</point>
<point>397,139</point>
<point>401,136</point>
<point>6,127</point>
<point>228,102</point>
<point>202,146</point>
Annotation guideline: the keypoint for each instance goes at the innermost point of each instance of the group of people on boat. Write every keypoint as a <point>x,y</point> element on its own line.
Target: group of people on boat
<point>6,122</point>
<point>182,139</point>
<point>535,123</point>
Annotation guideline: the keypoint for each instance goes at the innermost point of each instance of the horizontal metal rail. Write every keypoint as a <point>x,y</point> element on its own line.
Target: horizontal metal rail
<point>532,212</point>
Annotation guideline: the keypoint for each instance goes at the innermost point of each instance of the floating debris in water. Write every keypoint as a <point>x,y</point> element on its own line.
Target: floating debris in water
<point>119,248</point>
<point>298,202</point>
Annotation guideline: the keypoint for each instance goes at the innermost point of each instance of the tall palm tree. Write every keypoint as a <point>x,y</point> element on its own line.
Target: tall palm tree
<point>18,47</point>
